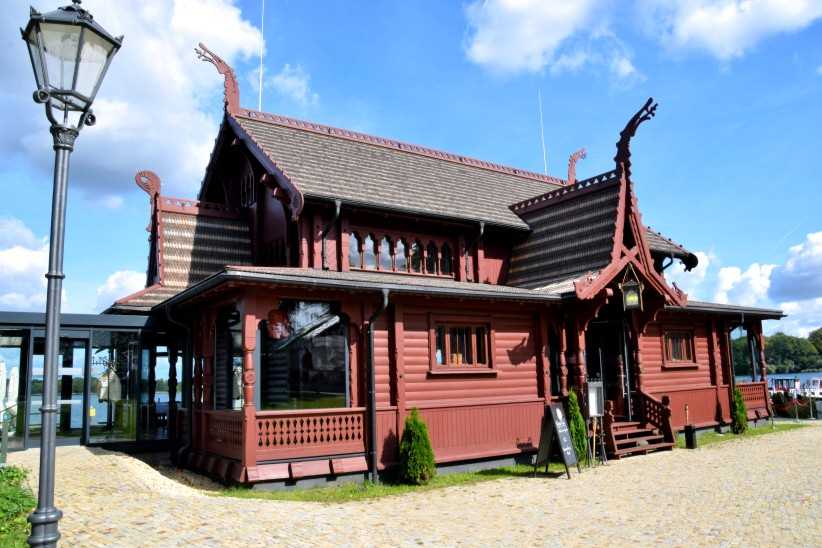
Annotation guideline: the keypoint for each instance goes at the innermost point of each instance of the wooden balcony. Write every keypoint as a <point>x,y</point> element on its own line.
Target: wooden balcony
<point>309,433</point>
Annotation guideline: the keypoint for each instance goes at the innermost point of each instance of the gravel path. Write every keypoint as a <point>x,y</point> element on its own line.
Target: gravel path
<point>763,491</point>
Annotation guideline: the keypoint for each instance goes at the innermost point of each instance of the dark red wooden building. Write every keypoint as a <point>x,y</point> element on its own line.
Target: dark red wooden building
<point>325,282</point>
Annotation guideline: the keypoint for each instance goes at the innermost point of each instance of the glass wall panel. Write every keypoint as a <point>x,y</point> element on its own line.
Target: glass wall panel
<point>13,354</point>
<point>228,362</point>
<point>113,405</point>
<point>304,357</point>
<point>71,364</point>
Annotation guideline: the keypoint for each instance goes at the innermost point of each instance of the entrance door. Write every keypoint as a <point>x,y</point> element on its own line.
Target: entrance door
<point>72,362</point>
<point>605,360</point>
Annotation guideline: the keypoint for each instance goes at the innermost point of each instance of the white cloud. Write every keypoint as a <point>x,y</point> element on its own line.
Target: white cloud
<point>803,316</point>
<point>819,70</point>
<point>692,282</point>
<point>801,276</point>
<point>513,36</point>
<point>726,28</point>
<point>119,285</point>
<point>292,82</point>
<point>746,288</point>
<point>23,264</point>
<point>158,108</point>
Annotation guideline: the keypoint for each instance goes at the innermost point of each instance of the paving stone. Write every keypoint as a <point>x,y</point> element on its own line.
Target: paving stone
<point>762,491</point>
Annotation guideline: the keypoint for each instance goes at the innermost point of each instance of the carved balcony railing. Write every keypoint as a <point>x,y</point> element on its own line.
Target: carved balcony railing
<point>309,433</point>
<point>656,413</point>
<point>224,433</point>
<point>755,396</point>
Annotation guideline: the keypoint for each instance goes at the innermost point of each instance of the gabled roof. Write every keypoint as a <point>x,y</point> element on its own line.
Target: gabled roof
<point>331,163</point>
<point>189,241</point>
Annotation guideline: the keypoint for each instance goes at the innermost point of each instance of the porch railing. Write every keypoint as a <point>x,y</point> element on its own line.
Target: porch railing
<point>656,413</point>
<point>224,433</point>
<point>755,396</point>
<point>309,432</point>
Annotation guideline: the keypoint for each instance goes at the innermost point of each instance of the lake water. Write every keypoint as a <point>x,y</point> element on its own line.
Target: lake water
<point>803,377</point>
<point>100,409</point>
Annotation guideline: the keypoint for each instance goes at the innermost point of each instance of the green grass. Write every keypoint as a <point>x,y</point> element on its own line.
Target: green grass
<point>16,501</point>
<point>712,438</point>
<point>368,490</point>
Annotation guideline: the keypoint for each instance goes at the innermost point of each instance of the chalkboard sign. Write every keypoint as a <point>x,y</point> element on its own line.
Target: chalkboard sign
<point>555,427</point>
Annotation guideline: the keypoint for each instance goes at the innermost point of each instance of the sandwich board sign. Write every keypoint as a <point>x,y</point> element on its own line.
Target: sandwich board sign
<point>555,427</point>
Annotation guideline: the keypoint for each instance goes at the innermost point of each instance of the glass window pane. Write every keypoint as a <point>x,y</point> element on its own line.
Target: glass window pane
<point>469,347</point>
<point>385,254</point>
<point>440,351</point>
<point>304,363</point>
<point>416,257</point>
<point>228,362</point>
<point>400,259</point>
<point>60,44</point>
<point>480,331</point>
<point>92,60</point>
<point>369,252</point>
<point>113,406</point>
<point>431,257</point>
<point>354,255</point>
<point>13,352</point>
<point>445,260</point>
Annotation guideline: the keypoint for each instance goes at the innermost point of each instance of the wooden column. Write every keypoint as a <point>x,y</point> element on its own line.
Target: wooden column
<point>620,401</point>
<point>208,363</point>
<point>543,357</point>
<point>760,349</point>
<point>638,359</point>
<point>251,317</point>
<point>563,361</point>
<point>751,350</point>
<point>172,392</point>
<point>460,263</point>
<point>399,366</point>
<point>345,242</point>
<point>581,369</point>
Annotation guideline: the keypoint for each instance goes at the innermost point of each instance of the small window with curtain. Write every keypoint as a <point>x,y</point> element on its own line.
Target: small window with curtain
<point>461,345</point>
<point>679,346</point>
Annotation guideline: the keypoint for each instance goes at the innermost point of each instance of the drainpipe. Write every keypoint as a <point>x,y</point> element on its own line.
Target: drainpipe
<point>327,229</point>
<point>186,384</point>
<point>372,387</point>
<point>472,246</point>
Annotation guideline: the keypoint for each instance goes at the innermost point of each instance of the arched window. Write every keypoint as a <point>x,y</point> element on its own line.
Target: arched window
<point>416,256</point>
<point>369,252</point>
<point>385,254</point>
<point>445,260</point>
<point>400,259</point>
<point>431,258</point>
<point>354,251</point>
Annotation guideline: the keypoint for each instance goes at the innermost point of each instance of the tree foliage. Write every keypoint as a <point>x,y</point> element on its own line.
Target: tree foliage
<point>417,464</point>
<point>783,353</point>
<point>739,422</point>
<point>816,339</point>
<point>579,432</point>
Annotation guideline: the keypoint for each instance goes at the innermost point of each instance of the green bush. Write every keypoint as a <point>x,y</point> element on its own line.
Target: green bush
<point>416,455</point>
<point>579,432</point>
<point>16,501</point>
<point>739,423</point>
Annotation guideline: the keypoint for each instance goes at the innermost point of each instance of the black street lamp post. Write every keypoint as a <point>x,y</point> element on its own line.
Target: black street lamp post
<point>70,54</point>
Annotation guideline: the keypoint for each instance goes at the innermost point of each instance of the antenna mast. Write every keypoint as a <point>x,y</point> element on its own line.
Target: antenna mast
<point>262,46</point>
<point>542,133</point>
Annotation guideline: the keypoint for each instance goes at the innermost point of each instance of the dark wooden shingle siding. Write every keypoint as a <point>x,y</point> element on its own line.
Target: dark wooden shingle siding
<point>569,238</point>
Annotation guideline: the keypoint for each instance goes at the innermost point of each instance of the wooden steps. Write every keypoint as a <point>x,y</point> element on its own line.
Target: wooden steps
<point>634,438</point>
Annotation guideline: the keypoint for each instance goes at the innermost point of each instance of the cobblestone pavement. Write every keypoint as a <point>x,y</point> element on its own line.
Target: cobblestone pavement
<point>763,491</point>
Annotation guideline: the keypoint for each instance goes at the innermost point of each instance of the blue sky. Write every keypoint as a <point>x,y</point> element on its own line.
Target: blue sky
<point>730,166</point>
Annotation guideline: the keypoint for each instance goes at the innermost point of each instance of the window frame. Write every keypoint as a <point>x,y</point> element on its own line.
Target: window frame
<point>409,239</point>
<point>435,321</point>
<point>688,344</point>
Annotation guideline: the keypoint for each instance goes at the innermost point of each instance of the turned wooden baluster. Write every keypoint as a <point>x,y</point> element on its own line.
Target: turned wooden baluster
<point>608,421</point>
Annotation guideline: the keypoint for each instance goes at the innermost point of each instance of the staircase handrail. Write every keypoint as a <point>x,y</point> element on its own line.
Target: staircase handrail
<point>658,413</point>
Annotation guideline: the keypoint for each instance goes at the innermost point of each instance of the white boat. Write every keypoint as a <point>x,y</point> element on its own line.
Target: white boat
<point>812,387</point>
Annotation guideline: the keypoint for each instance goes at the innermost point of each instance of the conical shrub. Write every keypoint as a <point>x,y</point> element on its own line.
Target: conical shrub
<point>579,434</point>
<point>417,464</point>
<point>739,422</point>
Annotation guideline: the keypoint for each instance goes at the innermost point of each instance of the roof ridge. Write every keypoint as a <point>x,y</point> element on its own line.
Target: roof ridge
<point>394,144</point>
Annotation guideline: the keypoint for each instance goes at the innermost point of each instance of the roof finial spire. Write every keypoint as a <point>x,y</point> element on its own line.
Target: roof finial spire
<point>623,155</point>
<point>572,165</point>
<point>232,90</point>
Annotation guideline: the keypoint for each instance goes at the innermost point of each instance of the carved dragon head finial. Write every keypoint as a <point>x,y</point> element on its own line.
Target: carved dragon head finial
<point>149,182</point>
<point>623,155</point>
<point>232,90</point>
<point>572,165</point>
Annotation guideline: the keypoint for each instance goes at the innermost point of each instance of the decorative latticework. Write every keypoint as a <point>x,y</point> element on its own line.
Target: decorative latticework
<point>329,432</point>
<point>224,433</point>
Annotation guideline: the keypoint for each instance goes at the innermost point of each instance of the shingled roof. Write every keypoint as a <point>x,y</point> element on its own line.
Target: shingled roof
<point>192,240</point>
<point>331,163</point>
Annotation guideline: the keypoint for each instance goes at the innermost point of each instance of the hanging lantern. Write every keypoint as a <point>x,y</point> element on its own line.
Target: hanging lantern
<point>631,289</point>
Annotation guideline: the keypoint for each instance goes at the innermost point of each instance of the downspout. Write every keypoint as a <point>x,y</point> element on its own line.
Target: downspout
<point>472,246</point>
<point>372,387</point>
<point>186,384</point>
<point>327,229</point>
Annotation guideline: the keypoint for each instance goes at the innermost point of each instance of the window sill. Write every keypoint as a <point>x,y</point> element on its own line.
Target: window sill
<point>462,371</point>
<point>680,365</point>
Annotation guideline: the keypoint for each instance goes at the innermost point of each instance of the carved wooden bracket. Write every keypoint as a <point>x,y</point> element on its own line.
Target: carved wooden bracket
<point>232,90</point>
<point>623,155</point>
<point>572,165</point>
